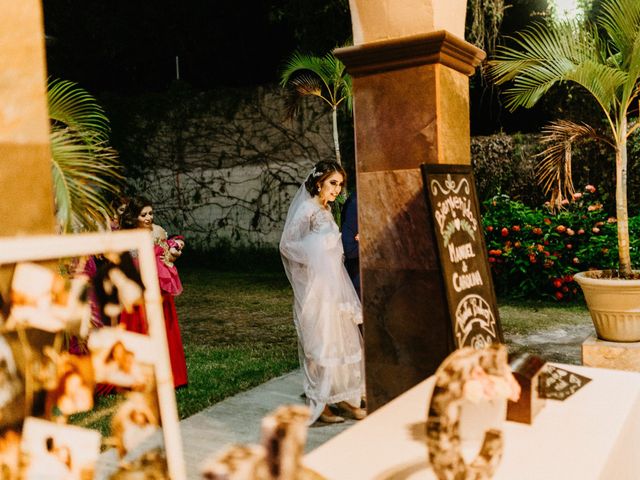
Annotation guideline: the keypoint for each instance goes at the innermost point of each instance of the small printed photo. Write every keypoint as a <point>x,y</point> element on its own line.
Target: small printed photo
<point>58,452</point>
<point>135,421</point>
<point>72,391</point>
<point>11,386</point>
<point>118,286</point>
<point>43,299</point>
<point>9,455</point>
<point>122,358</point>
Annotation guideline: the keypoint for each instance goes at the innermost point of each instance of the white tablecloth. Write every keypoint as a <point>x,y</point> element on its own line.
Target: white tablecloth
<point>594,434</point>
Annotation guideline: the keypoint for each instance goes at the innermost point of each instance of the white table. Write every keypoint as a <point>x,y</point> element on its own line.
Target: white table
<point>594,434</point>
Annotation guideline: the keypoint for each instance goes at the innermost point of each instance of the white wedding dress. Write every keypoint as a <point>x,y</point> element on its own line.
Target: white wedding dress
<point>326,308</point>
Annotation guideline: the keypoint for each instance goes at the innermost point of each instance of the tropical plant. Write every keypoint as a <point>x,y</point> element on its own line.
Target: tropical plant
<point>604,58</point>
<point>85,168</point>
<point>321,77</point>
<point>534,252</point>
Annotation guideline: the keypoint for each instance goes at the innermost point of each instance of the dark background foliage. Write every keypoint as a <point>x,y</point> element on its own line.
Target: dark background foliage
<point>505,164</point>
<point>129,46</point>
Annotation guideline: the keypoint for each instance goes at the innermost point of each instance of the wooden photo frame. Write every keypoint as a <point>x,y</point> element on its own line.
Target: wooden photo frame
<point>40,248</point>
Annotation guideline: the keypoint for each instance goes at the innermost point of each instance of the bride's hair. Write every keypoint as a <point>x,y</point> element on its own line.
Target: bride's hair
<point>320,173</point>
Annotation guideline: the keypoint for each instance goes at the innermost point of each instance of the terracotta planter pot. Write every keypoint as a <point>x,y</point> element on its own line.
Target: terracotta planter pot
<point>614,305</point>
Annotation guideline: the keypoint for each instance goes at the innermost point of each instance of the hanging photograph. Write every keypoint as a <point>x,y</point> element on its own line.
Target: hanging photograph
<point>9,455</point>
<point>122,358</point>
<point>43,299</point>
<point>135,421</point>
<point>11,387</point>
<point>118,287</point>
<point>58,452</point>
<point>73,388</point>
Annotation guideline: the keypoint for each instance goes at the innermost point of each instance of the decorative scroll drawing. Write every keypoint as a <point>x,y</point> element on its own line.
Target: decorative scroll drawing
<point>449,186</point>
<point>475,325</point>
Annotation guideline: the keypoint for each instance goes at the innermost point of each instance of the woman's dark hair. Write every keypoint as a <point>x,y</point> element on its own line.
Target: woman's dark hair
<point>131,213</point>
<point>320,173</point>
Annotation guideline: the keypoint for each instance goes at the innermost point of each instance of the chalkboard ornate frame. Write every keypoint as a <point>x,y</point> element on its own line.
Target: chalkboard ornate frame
<point>457,228</point>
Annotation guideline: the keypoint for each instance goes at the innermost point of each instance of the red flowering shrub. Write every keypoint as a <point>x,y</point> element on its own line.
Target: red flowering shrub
<point>540,257</point>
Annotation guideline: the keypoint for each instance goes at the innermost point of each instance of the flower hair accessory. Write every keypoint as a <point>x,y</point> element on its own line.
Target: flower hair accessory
<point>315,173</point>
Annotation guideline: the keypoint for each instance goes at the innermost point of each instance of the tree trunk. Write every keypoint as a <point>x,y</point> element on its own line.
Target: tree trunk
<point>622,213</point>
<point>336,141</point>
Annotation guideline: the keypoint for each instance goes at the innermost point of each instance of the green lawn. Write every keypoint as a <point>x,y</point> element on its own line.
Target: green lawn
<point>524,317</point>
<point>238,332</point>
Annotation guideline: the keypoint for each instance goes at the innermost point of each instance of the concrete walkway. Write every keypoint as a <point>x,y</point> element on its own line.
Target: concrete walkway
<point>234,420</point>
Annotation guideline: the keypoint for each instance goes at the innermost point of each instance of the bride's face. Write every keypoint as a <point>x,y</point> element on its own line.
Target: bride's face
<point>331,187</point>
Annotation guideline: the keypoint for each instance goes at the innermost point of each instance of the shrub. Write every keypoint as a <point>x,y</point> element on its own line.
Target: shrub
<point>534,252</point>
<point>504,164</point>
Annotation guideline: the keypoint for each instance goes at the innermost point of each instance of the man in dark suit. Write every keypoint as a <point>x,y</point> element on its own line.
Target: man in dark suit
<point>350,240</point>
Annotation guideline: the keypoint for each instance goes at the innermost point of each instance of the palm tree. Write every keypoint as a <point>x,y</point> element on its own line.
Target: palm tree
<point>85,168</point>
<point>602,57</point>
<point>321,77</point>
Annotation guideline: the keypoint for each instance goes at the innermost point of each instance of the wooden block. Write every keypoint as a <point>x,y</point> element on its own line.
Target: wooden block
<point>526,370</point>
<point>615,355</point>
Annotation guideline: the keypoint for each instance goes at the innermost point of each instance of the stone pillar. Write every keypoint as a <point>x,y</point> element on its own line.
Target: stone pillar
<point>411,106</point>
<point>25,156</point>
<point>27,205</point>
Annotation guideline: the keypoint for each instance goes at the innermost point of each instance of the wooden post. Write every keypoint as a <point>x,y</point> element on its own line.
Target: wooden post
<point>25,156</point>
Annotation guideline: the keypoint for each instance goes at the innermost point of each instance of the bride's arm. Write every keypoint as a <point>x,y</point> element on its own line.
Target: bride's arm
<point>292,244</point>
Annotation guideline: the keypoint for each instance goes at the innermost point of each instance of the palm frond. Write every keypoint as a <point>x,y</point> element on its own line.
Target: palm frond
<point>621,20</point>
<point>346,92</point>
<point>329,70</point>
<point>301,86</point>
<point>602,81</point>
<point>74,107</point>
<point>307,85</point>
<point>543,55</point>
<point>554,170</point>
<point>82,175</point>
<point>530,85</point>
<point>632,84</point>
<point>300,62</point>
<point>334,69</point>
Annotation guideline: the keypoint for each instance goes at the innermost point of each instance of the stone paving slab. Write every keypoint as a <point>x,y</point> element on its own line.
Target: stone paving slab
<point>555,345</point>
<point>234,420</point>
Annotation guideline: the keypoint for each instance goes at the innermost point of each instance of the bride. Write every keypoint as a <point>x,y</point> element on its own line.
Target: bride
<point>326,307</point>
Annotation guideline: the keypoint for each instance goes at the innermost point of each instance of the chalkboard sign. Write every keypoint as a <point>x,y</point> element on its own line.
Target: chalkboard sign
<point>453,203</point>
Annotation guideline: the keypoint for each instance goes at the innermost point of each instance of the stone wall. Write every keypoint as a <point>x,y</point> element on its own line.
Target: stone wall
<point>221,170</point>
<point>221,167</point>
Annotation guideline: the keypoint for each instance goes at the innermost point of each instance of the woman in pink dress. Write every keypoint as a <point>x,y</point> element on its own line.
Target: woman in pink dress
<point>139,214</point>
